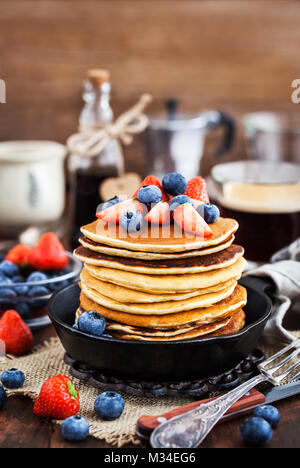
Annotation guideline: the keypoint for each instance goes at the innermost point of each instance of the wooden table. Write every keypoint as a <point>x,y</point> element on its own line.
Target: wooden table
<point>20,428</point>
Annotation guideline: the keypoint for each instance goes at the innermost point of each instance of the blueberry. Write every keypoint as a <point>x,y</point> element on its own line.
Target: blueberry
<point>75,428</point>
<point>256,431</point>
<point>75,326</point>
<point>113,201</point>
<point>269,413</point>
<point>18,279</point>
<point>3,397</point>
<point>8,268</point>
<point>92,322</point>
<point>179,200</point>
<point>21,290</point>
<point>24,310</point>
<point>131,221</point>
<point>4,279</point>
<point>37,276</point>
<point>109,405</point>
<point>57,285</point>
<point>209,212</point>
<point>38,291</point>
<point>7,293</point>
<point>12,378</point>
<point>149,194</point>
<point>174,183</point>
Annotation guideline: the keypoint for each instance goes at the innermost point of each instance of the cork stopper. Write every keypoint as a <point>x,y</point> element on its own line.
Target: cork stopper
<point>98,76</point>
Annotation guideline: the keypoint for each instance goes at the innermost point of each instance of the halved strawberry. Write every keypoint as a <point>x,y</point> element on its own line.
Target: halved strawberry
<point>190,221</point>
<point>113,213</point>
<point>153,180</point>
<point>20,255</point>
<point>197,190</point>
<point>159,214</point>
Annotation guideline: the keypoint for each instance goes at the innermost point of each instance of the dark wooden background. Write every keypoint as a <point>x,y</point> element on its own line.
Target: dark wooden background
<point>229,54</point>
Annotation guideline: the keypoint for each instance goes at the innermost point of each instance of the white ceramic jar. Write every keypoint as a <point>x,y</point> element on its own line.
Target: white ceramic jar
<point>32,183</point>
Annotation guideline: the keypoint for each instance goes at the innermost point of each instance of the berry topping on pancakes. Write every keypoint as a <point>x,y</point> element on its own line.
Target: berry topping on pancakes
<point>190,221</point>
<point>159,214</point>
<point>152,180</point>
<point>174,183</point>
<point>196,189</point>
<point>114,213</point>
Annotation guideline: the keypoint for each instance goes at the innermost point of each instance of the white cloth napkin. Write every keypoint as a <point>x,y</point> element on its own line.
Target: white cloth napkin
<point>284,271</point>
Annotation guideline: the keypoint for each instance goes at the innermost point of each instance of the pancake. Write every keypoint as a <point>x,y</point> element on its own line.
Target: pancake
<point>236,324</point>
<point>162,267</point>
<point>160,308</point>
<point>190,335</point>
<point>157,238</point>
<point>168,283</point>
<point>197,316</point>
<point>228,326</point>
<point>104,249</point>
<point>125,295</point>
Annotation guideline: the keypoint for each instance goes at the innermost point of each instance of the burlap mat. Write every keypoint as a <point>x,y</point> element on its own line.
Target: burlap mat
<point>47,361</point>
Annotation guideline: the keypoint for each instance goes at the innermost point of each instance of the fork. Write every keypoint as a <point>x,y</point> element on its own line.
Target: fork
<point>190,429</point>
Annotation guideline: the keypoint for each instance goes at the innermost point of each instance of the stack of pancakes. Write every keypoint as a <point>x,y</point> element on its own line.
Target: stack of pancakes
<point>154,287</point>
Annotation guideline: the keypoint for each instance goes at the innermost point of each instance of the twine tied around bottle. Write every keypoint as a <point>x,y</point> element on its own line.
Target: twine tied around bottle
<point>131,122</point>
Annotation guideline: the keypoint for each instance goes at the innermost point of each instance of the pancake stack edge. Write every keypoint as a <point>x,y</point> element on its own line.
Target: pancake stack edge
<point>164,290</point>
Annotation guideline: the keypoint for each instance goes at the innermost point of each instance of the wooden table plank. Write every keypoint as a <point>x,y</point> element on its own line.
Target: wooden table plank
<point>20,428</point>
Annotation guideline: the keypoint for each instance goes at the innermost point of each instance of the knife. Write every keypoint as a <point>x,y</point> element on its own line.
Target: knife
<point>267,395</point>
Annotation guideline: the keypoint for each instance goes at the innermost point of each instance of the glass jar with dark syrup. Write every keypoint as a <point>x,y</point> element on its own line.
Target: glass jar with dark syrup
<point>87,174</point>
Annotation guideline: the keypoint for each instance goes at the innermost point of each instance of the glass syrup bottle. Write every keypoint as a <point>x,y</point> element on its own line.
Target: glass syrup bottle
<point>88,173</point>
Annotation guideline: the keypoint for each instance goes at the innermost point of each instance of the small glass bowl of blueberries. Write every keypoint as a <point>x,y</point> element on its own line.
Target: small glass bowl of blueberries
<point>27,290</point>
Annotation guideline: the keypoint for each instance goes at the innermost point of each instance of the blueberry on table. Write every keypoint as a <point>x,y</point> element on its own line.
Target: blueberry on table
<point>149,194</point>
<point>12,378</point>
<point>256,431</point>
<point>179,200</point>
<point>109,405</point>
<point>92,322</point>
<point>37,276</point>
<point>131,221</point>
<point>3,397</point>
<point>75,429</point>
<point>269,413</point>
<point>8,268</point>
<point>209,212</point>
<point>174,183</point>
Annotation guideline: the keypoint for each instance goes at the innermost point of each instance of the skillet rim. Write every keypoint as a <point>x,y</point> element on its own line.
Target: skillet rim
<point>103,339</point>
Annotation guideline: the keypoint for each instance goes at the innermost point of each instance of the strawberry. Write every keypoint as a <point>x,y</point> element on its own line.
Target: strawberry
<point>20,255</point>
<point>190,221</point>
<point>114,212</point>
<point>15,333</point>
<point>153,180</point>
<point>58,399</point>
<point>159,214</point>
<point>49,253</point>
<point>197,190</point>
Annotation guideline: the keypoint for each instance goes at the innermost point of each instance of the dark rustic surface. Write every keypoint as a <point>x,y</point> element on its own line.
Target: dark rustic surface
<point>19,428</point>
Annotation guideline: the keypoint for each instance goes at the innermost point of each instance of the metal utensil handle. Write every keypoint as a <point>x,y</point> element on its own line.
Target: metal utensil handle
<point>190,429</point>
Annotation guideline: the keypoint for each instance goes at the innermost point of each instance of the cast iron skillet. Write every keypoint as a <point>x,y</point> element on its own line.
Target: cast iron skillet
<point>161,361</point>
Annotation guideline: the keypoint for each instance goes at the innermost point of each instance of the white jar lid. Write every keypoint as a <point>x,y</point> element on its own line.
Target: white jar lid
<point>30,150</point>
